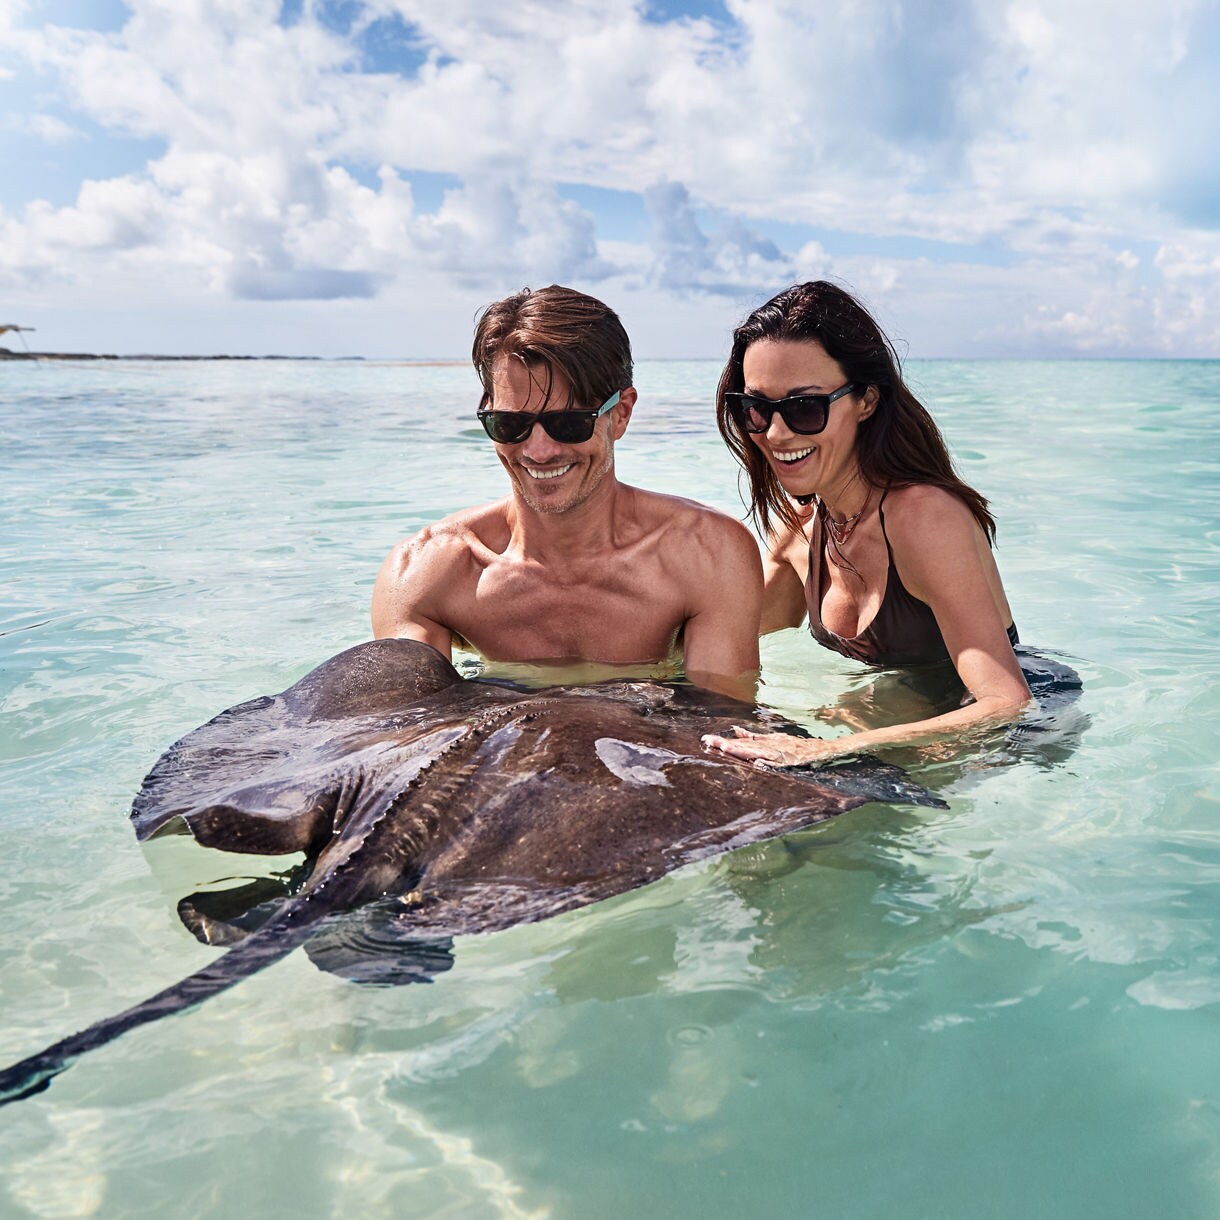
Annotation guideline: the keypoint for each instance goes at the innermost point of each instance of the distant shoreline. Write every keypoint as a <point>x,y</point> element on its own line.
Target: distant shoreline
<point>6,354</point>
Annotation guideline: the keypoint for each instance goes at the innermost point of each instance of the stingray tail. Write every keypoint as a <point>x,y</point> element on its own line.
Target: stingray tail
<point>271,942</point>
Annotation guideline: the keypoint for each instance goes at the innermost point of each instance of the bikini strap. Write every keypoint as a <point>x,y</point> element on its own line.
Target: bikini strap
<point>889,550</point>
<point>813,579</point>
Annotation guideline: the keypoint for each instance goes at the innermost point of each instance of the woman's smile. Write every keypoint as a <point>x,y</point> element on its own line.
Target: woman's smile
<point>791,457</point>
<point>820,462</point>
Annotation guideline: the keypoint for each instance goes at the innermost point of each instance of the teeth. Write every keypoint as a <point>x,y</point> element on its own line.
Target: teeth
<point>548,472</point>
<point>794,456</point>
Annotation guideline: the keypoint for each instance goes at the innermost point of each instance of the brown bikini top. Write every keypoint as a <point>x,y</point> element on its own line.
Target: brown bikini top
<point>904,630</point>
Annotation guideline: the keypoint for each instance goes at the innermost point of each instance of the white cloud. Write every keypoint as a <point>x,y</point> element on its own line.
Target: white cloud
<point>11,13</point>
<point>811,263</point>
<point>495,233</point>
<point>1183,261</point>
<point>53,130</point>
<point>726,262</point>
<point>1051,142</point>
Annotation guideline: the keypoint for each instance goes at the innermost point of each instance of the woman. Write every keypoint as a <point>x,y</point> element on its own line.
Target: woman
<point>885,547</point>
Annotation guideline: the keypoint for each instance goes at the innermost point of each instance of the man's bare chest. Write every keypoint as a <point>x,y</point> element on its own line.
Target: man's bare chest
<point>522,611</point>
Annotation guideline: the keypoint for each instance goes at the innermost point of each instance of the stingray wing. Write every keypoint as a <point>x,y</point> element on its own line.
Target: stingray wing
<point>272,775</point>
<point>587,792</point>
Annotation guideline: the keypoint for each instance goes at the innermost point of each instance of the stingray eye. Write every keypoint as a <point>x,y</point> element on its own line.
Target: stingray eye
<point>529,717</point>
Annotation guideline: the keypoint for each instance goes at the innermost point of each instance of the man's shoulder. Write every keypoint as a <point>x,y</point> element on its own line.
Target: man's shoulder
<point>710,561</point>
<point>690,521</point>
<point>664,505</point>
<point>452,539</point>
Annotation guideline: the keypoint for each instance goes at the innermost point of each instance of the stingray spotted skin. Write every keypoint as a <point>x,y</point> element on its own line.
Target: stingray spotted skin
<point>472,806</point>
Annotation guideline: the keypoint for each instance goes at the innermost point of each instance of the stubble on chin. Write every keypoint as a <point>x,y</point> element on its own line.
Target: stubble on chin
<point>555,506</point>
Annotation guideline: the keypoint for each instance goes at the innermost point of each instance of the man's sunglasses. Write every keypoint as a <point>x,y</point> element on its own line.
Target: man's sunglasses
<point>803,413</point>
<point>566,427</point>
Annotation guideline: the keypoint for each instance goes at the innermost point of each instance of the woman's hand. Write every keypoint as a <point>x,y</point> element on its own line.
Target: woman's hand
<point>774,749</point>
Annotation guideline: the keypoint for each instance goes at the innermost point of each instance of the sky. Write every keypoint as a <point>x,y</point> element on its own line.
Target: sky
<point>994,178</point>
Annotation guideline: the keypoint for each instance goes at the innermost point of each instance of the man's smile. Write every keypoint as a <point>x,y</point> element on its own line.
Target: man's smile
<point>546,472</point>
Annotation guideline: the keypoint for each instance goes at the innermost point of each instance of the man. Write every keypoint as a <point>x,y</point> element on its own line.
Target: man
<point>573,564</point>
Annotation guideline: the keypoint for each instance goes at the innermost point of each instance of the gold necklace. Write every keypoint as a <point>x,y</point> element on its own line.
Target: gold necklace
<point>841,531</point>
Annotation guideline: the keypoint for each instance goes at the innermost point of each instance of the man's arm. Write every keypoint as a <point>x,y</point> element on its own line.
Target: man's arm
<point>407,598</point>
<point>723,571</point>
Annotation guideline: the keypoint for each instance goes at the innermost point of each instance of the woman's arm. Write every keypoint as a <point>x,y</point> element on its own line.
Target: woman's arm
<point>943,559</point>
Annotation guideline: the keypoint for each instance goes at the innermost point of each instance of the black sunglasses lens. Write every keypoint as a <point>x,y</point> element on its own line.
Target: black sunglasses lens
<point>512,427</point>
<point>806,414</point>
<point>747,414</point>
<point>507,427</point>
<point>568,427</point>
<point>755,417</point>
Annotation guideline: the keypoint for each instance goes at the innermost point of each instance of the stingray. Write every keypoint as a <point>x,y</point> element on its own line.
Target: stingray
<point>429,806</point>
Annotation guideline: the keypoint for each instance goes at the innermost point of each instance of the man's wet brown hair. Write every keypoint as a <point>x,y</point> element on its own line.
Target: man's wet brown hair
<point>556,329</point>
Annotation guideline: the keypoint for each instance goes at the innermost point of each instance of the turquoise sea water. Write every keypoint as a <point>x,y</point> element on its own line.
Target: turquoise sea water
<point>1007,1008</point>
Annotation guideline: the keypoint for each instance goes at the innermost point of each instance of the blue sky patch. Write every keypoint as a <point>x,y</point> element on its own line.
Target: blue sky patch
<point>389,44</point>
<point>660,11</point>
<point>37,168</point>
<point>105,16</point>
<point>843,243</point>
<point>428,189</point>
<point>621,215</point>
<point>385,45</point>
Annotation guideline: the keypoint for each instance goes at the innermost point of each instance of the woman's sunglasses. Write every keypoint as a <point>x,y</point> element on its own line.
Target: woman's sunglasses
<point>803,413</point>
<point>566,427</point>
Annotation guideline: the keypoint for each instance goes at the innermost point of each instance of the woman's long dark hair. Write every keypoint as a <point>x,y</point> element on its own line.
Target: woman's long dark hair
<point>897,445</point>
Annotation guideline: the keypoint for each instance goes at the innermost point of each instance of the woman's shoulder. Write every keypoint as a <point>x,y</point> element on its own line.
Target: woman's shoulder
<point>921,513</point>
<point>923,500</point>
